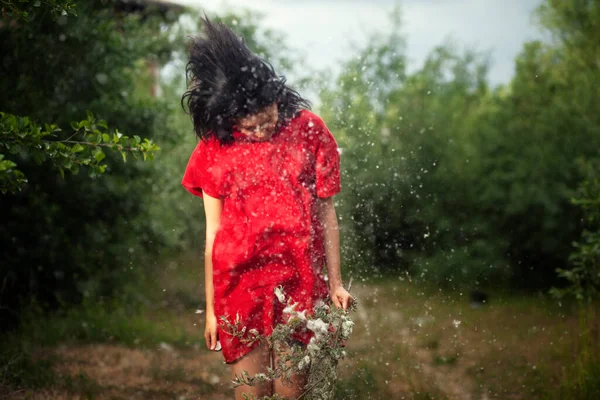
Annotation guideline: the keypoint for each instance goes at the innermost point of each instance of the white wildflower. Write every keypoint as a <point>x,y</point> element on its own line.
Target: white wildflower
<point>347,328</point>
<point>295,316</point>
<point>313,348</point>
<point>290,309</point>
<point>301,315</point>
<point>304,362</point>
<point>318,327</point>
<point>279,294</point>
<point>321,305</point>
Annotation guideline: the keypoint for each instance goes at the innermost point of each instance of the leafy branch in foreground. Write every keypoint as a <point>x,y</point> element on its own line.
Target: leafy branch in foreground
<point>331,326</point>
<point>84,147</point>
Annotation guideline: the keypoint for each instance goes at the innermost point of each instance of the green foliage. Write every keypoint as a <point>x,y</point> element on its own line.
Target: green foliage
<point>407,146</point>
<point>459,183</point>
<point>21,9</point>
<point>72,238</point>
<point>581,378</point>
<point>533,138</point>
<point>583,278</point>
<point>19,135</point>
<point>528,148</point>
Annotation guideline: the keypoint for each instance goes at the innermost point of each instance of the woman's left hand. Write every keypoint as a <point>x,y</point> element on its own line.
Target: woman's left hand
<point>341,297</point>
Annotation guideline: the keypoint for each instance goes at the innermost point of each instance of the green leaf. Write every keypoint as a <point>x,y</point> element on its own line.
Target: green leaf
<point>6,164</point>
<point>105,137</point>
<point>137,139</point>
<point>14,149</point>
<point>39,156</point>
<point>75,125</point>
<point>95,138</point>
<point>124,155</point>
<point>77,148</point>
<point>99,155</point>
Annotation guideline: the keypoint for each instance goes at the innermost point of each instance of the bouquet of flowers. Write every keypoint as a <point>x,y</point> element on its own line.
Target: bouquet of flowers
<point>332,327</point>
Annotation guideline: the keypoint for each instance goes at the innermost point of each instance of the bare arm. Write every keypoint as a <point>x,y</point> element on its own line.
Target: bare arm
<point>328,219</point>
<point>212,211</point>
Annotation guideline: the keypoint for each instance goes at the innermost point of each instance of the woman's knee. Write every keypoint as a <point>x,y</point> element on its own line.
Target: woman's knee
<point>256,361</point>
<point>295,386</point>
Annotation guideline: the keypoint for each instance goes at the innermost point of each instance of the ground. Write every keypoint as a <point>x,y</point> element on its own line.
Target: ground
<point>408,343</point>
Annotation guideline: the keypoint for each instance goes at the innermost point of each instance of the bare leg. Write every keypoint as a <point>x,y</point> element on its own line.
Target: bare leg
<point>254,362</point>
<point>284,389</point>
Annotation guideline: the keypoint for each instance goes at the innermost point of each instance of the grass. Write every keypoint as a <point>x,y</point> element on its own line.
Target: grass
<point>514,347</point>
<point>82,385</point>
<point>146,324</point>
<point>360,384</point>
<point>409,341</point>
<point>23,373</point>
<point>19,369</point>
<point>582,379</point>
<point>92,322</point>
<point>445,360</point>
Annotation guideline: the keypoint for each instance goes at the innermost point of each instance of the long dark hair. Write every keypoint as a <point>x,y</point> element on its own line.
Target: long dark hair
<point>226,82</point>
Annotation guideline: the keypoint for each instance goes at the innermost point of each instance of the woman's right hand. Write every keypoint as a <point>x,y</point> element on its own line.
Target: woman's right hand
<point>210,331</point>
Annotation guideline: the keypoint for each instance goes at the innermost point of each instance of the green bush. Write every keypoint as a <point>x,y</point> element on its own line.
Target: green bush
<point>454,181</point>
<point>66,239</point>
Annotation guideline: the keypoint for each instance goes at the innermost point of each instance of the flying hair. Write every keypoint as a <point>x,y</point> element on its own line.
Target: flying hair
<point>226,82</point>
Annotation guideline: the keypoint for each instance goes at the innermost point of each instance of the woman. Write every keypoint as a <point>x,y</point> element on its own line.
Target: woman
<point>266,168</point>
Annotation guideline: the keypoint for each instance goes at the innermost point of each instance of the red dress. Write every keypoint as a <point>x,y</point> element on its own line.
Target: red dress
<point>269,234</point>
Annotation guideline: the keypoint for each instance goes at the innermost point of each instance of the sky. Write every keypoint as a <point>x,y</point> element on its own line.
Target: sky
<point>326,31</point>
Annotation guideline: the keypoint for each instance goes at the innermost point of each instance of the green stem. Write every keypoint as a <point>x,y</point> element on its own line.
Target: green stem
<point>96,144</point>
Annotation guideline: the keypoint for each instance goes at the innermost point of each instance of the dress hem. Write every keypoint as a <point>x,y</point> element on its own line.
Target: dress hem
<point>250,348</point>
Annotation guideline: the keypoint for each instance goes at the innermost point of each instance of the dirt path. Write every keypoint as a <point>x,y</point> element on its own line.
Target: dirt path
<point>104,371</point>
